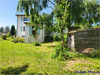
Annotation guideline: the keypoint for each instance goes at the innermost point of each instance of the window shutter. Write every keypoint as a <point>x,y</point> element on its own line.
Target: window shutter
<point>38,31</point>
<point>21,28</point>
<point>28,19</point>
<point>21,19</point>
<point>30,30</point>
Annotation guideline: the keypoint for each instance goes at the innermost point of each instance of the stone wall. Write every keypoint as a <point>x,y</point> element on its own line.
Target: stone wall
<point>87,39</point>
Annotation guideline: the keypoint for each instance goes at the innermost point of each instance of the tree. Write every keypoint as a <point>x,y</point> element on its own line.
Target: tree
<point>12,30</point>
<point>68,12</point>
<point>48,21</point>
<point>1,29</point>
<point>92,12</point>
<point>7,29</point>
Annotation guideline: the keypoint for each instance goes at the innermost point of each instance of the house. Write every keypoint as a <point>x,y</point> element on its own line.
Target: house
<point>25,30</point>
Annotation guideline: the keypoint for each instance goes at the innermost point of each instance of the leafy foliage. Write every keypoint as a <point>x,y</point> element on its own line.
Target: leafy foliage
<point>48,39</point>
<point>12,30</point>
<point>18,40</point>
<point>8,34</point>
<point>95,53</point>
<point>57,38</point>
<point>37,44</point>
<point>92,12</point>
<point>1,29</point>
<point>48,21</point>
<point>4,36</point>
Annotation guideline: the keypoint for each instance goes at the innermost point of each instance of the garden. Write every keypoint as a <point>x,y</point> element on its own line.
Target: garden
<point>53,56</point>
<point>28,59</point>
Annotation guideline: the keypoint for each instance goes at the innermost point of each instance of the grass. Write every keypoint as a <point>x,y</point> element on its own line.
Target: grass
<point>27,59</point>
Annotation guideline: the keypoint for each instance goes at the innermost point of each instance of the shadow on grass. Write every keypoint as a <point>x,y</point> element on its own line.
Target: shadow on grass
<point>37,74</point>
<point>52,46</point>
<point>16,70</point>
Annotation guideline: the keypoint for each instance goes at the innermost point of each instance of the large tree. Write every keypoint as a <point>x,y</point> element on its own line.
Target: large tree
<point>68,12</point>
<point>92,12</point>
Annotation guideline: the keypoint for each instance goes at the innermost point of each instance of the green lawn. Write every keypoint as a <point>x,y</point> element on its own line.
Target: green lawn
<point>27,59</point>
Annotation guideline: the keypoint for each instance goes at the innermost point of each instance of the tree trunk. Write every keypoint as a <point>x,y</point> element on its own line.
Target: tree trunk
<point>62,37</point>
<point>42,32</point>
<point>63,28</point>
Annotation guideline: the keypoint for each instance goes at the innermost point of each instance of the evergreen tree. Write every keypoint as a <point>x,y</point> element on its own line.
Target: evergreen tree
<point>12,30</point>
<point>1,29</point>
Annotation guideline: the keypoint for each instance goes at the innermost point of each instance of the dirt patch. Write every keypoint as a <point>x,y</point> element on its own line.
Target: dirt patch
<point>77,64</point>
<point>87,50</point>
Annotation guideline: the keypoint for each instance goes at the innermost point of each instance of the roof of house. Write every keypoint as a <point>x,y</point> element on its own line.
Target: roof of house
<point>20,14</point>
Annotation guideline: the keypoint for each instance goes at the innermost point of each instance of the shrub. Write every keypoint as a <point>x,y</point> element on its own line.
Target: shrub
<point>65,54</point>
<point>59,53</point>
<point>57,38</point>
<point>18,39</point>
<point>4,36</point>
<point>8,34</point>
<point>48,39</point>
<point>15,40</point>
<point>56,51</point>
<point>37,44</point>
<point>94,53</point>
<point>21,40</point>
<point>12,37</point>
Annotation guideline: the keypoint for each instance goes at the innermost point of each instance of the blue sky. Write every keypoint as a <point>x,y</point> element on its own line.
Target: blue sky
<point>8,11</point>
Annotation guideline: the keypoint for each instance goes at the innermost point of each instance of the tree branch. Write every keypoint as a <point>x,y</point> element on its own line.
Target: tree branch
<point>51,7</point>
<point>51,2</point>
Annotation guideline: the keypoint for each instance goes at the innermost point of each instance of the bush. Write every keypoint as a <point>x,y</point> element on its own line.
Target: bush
<point>48,39</point>
<point>15,40</point>
<point>59,53</point>
<point>12,37</point>
<point>37,44</point>
<point>65,54</point>
<point>94,53</point>
<point>21,40</point>
<point>8,34</point>
<point>4,36</point>
<point>18,39</point>
<point>57,38</point>
<point>56,51</point>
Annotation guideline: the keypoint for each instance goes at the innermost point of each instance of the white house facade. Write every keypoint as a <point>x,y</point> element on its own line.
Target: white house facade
<point>25,30</point>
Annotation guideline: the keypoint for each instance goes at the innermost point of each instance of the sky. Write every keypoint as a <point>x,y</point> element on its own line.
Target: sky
<point>8,11</point>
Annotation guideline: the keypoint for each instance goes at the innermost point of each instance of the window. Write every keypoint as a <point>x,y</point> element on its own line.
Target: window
<point>21,19</point>
<point>24,28</point>
<point>25,19</point>
<point>23,35</point>
<point>28,19</point>
<point>21,28</point>
<point>32,30</point>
